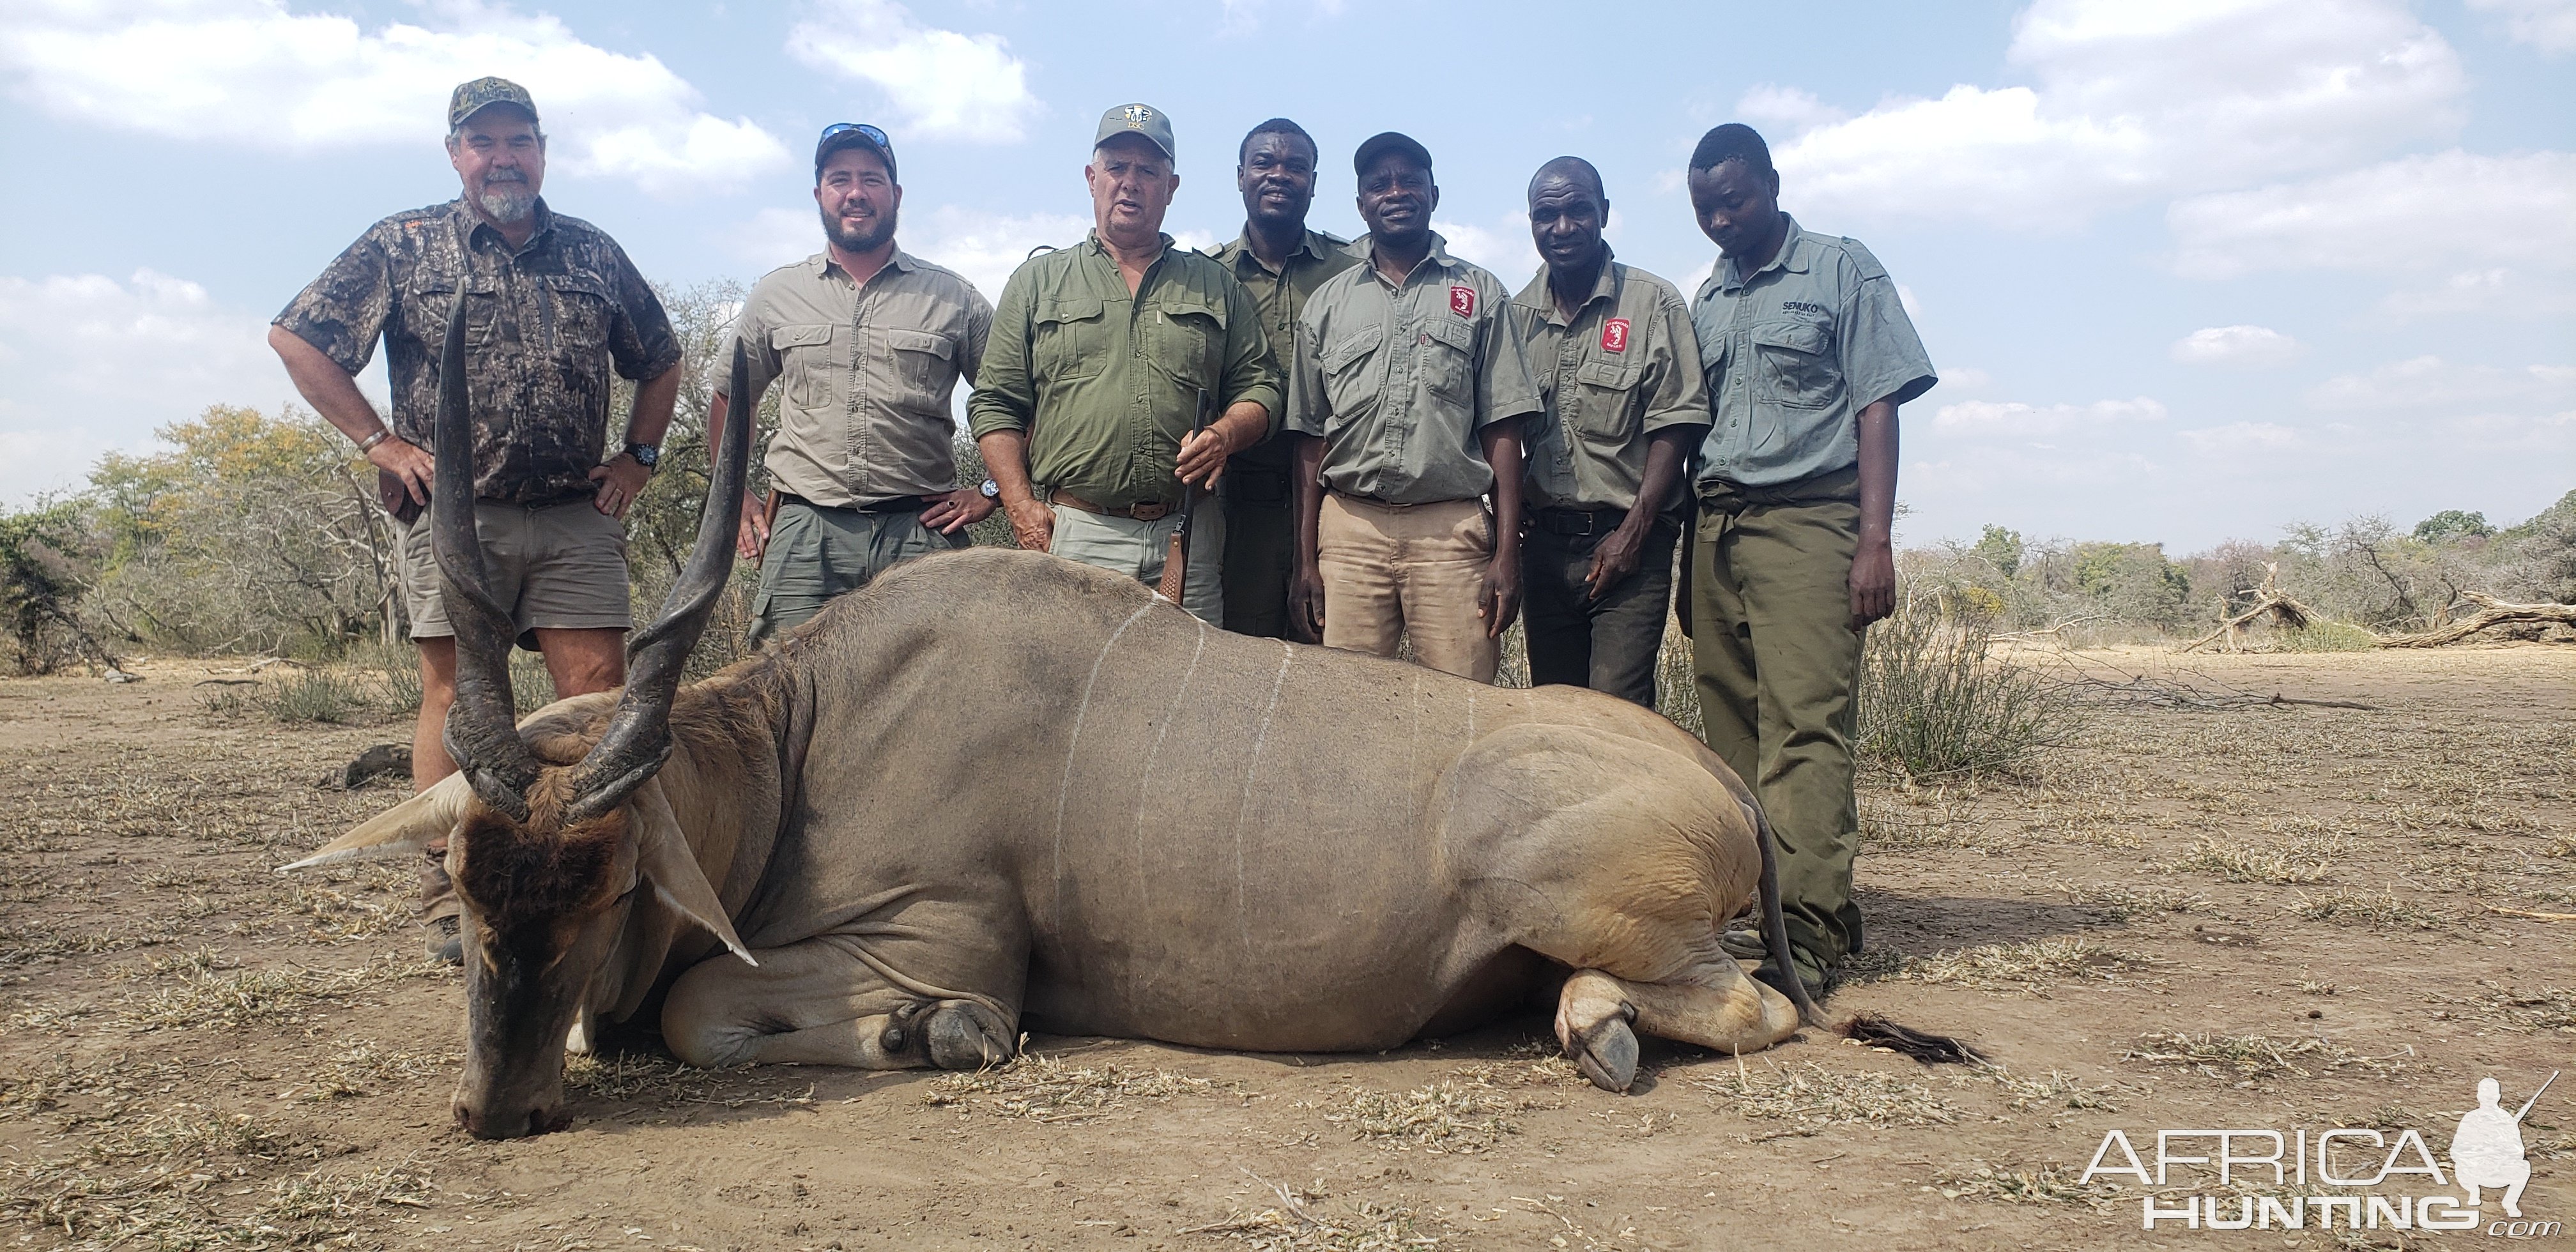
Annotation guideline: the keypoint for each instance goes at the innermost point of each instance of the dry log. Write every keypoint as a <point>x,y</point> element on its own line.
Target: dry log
<point>2285,612</point>
<point>2491,612</point>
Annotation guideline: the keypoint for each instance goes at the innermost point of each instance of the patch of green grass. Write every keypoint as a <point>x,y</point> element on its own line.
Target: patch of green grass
<point>2325,636</point>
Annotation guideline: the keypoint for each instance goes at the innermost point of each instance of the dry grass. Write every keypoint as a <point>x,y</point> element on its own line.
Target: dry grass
<point>634,1078</point>
<point>2028,968</point>
<point>1813,1098</point>
<point>2257,1056</point>
<point>2384,911</point>
<point>2046,1185</point>
<point>1443,1116</point>
<point>267,996</point>
<point>1052,1089</point>
<point>1531,1063</point>
<point>2244,862</point>
<point>2551,1008</point>
<point>1295,1224</point>
<point>366,1067</point>
<point>2123,901</point>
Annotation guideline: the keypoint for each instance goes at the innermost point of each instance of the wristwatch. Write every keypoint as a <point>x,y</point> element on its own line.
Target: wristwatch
<point>992,490</point>
<point>648,455</point>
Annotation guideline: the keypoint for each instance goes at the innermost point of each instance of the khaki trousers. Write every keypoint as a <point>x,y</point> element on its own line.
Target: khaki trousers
<point>1124,545</point>
<point>1777,661</point>
<point>1396,570</point>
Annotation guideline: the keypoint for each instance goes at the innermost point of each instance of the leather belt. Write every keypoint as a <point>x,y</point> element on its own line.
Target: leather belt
<point>1581,521</point>
<point>898,504</point>
<point>1142,511</point>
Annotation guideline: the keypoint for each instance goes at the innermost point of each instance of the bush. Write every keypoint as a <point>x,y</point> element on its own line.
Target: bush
<point>2324,636</point>
<point>1936,707</point>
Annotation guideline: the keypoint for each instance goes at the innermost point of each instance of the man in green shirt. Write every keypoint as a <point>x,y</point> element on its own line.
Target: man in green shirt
<point>1092,378</point>
<point>1808,353</point>
<point>1408,393</point>
<point>1280,262</point>
<point>1618,368</point>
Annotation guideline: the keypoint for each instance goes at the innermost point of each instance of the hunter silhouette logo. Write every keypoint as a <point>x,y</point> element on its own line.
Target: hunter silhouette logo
<point>2487,1151</point>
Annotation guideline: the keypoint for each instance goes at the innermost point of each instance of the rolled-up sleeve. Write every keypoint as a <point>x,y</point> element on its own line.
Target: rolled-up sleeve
<point>1251,367</point>
<point>343,311</point>
<point>1005,397</point>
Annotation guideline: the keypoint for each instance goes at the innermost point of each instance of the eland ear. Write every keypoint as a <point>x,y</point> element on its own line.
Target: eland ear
<point>406,829</point>
<point>664,858</point>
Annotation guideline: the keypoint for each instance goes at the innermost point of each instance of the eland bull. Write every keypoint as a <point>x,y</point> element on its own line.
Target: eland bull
<point>996,788</point>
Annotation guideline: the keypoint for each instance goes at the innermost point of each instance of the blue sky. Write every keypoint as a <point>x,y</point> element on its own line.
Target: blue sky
<point>2190,271</point>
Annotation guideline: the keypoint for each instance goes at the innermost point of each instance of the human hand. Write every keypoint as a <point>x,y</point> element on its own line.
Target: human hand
<point>1306,606</point>
<point>1032,524</point>
<point>1873,584</point>
<point>1498,597</point>
<point>620,480</point>
<point>1202,458</point>
<point>752,537</point>
<point>1613,562</point>
<point>953,511</point>
<point>404,459</point>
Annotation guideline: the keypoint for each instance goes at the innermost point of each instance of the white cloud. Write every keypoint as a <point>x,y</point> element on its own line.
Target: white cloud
<point>1786,109</point>
<point>2450,210</point>
<point>2134,101</point>
<point>1505,249</point>
<point>2497,290</point>
<point>986,247</point>
<point>940,83</point>
<point>89,363</point>
<point>2235,345</point>
<point>1958,378</point>
<point>2239,437</point>
<point>2431,384</point>
<point>773,237</point>
<point>2017,420</point>
<point>2549,25</point>
<point>251,73</point>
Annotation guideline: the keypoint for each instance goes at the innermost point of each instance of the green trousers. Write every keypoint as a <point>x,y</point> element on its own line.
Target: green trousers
<point>817,553</point>
<point>1769,591</point>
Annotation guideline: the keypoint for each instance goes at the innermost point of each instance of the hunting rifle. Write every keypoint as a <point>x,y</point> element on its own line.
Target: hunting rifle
<point>1176,559</point>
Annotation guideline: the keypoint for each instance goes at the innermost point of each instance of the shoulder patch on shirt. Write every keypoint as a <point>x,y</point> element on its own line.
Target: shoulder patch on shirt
<point>1462,300</point>
<point>1614,335</point>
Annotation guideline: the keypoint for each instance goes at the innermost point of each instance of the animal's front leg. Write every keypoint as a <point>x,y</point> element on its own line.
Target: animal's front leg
<point>813,1003</point>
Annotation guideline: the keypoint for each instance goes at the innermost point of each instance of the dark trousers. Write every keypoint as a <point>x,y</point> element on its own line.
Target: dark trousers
<point>1260,546</point>
<point>1609,644</point>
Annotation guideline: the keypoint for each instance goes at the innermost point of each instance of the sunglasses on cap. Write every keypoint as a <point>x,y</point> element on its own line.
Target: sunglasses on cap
<point>874,135</point>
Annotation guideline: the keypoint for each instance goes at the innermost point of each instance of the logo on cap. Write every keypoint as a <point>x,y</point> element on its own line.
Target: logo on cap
<point>1462,301</point>
<point>1137,115</point>
<point>1614,335</point>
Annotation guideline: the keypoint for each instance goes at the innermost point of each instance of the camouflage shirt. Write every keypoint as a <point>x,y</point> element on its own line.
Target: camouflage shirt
<point>543,325</point>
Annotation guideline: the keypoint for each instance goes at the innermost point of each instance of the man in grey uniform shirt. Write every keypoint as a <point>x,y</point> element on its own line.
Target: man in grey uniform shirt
<point>1807,352</point>
<point>870,341</point>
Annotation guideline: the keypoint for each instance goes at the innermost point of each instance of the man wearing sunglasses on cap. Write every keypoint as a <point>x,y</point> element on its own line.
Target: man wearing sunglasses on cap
<point>870,341</point>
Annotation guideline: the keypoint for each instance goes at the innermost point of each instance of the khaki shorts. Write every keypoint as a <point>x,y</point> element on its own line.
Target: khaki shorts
<point>554,567</point>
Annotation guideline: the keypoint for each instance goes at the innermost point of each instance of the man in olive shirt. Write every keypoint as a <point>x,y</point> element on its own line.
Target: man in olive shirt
<point>870,340</point>
<point>1100,354</point>
<point>1280,262</point>
<point>1807,353</point>
<point>1618,369</point>
<point>1408,393</point>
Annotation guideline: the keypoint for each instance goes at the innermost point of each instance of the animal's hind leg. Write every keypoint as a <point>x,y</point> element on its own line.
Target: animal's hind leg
<point>1713,1005</point>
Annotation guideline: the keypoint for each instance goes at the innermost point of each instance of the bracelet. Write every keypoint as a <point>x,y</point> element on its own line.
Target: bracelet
<point>382,434</point>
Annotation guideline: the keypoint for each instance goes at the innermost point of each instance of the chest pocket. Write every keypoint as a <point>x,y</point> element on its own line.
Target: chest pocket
<point>1796,365</point>
<point>806,361</point>
<point>920,363</point>
<point>1188,341</point>
<point>1604,401</point>
<point>1448,360</point>
<point>430,303</point>
<point>576,315</point>
<point>1067,340</point>
<point>1350,381</point>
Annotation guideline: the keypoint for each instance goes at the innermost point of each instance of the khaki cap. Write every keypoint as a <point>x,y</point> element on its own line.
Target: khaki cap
<point>473,97</point>
<point>1138,119</point>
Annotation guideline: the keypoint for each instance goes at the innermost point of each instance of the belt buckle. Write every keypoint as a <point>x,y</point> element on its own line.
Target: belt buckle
<point>1149,511</point>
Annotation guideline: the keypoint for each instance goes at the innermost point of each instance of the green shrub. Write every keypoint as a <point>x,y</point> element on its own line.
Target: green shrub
<point>1934,706</point>
<point>2324,636</point>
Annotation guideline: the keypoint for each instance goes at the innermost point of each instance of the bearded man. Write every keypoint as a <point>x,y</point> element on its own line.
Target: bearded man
<point>551,305</point>
<point>870,341</point>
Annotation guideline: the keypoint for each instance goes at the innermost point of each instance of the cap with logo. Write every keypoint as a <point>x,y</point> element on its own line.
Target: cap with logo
<point>1138,119</point>
<point>473,97</point>
<point>1384,142</point>
<point>840,135</point>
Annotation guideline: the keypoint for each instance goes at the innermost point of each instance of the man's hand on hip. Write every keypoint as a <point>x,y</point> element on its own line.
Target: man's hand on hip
<point>404,460</point>
<point>1032,524</point>
<point>1873,584</point>
<point>953,511</point>
<point>620,481</point>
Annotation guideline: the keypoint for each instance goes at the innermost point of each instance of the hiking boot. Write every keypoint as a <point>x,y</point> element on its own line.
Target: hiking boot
<point>1820,980</point>
<point>1744,945</point>
<point>446,941</point>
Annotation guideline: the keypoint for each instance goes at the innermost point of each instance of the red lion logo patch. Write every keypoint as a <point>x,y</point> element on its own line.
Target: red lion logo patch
<point>1462,301</point>
<point>1614,335</point>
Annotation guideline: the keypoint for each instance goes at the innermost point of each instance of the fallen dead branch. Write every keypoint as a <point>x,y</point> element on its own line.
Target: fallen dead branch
<point>2491,612</point>
<point>2538,917</point>
<point>2269,601</point>
<point>2192,691</point>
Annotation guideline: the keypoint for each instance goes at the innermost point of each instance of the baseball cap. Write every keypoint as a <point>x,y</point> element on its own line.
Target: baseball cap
<point>841,135</point>
<point>1378,145</point>
<point>1138,119</point>
<point>473,97</point>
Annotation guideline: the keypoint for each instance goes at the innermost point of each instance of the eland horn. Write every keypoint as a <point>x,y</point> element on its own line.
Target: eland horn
<point>482,726</point>
<point>638,737</point>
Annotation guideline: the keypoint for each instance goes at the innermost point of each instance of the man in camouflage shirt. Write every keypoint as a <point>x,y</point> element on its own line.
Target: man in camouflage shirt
<point>1280,262</point>
<point>551,305</point>
<point>1618,368</point>
<point>1092,378</point>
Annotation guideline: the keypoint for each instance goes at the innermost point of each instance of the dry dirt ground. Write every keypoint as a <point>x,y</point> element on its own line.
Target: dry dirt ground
<point>2282,917</point>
